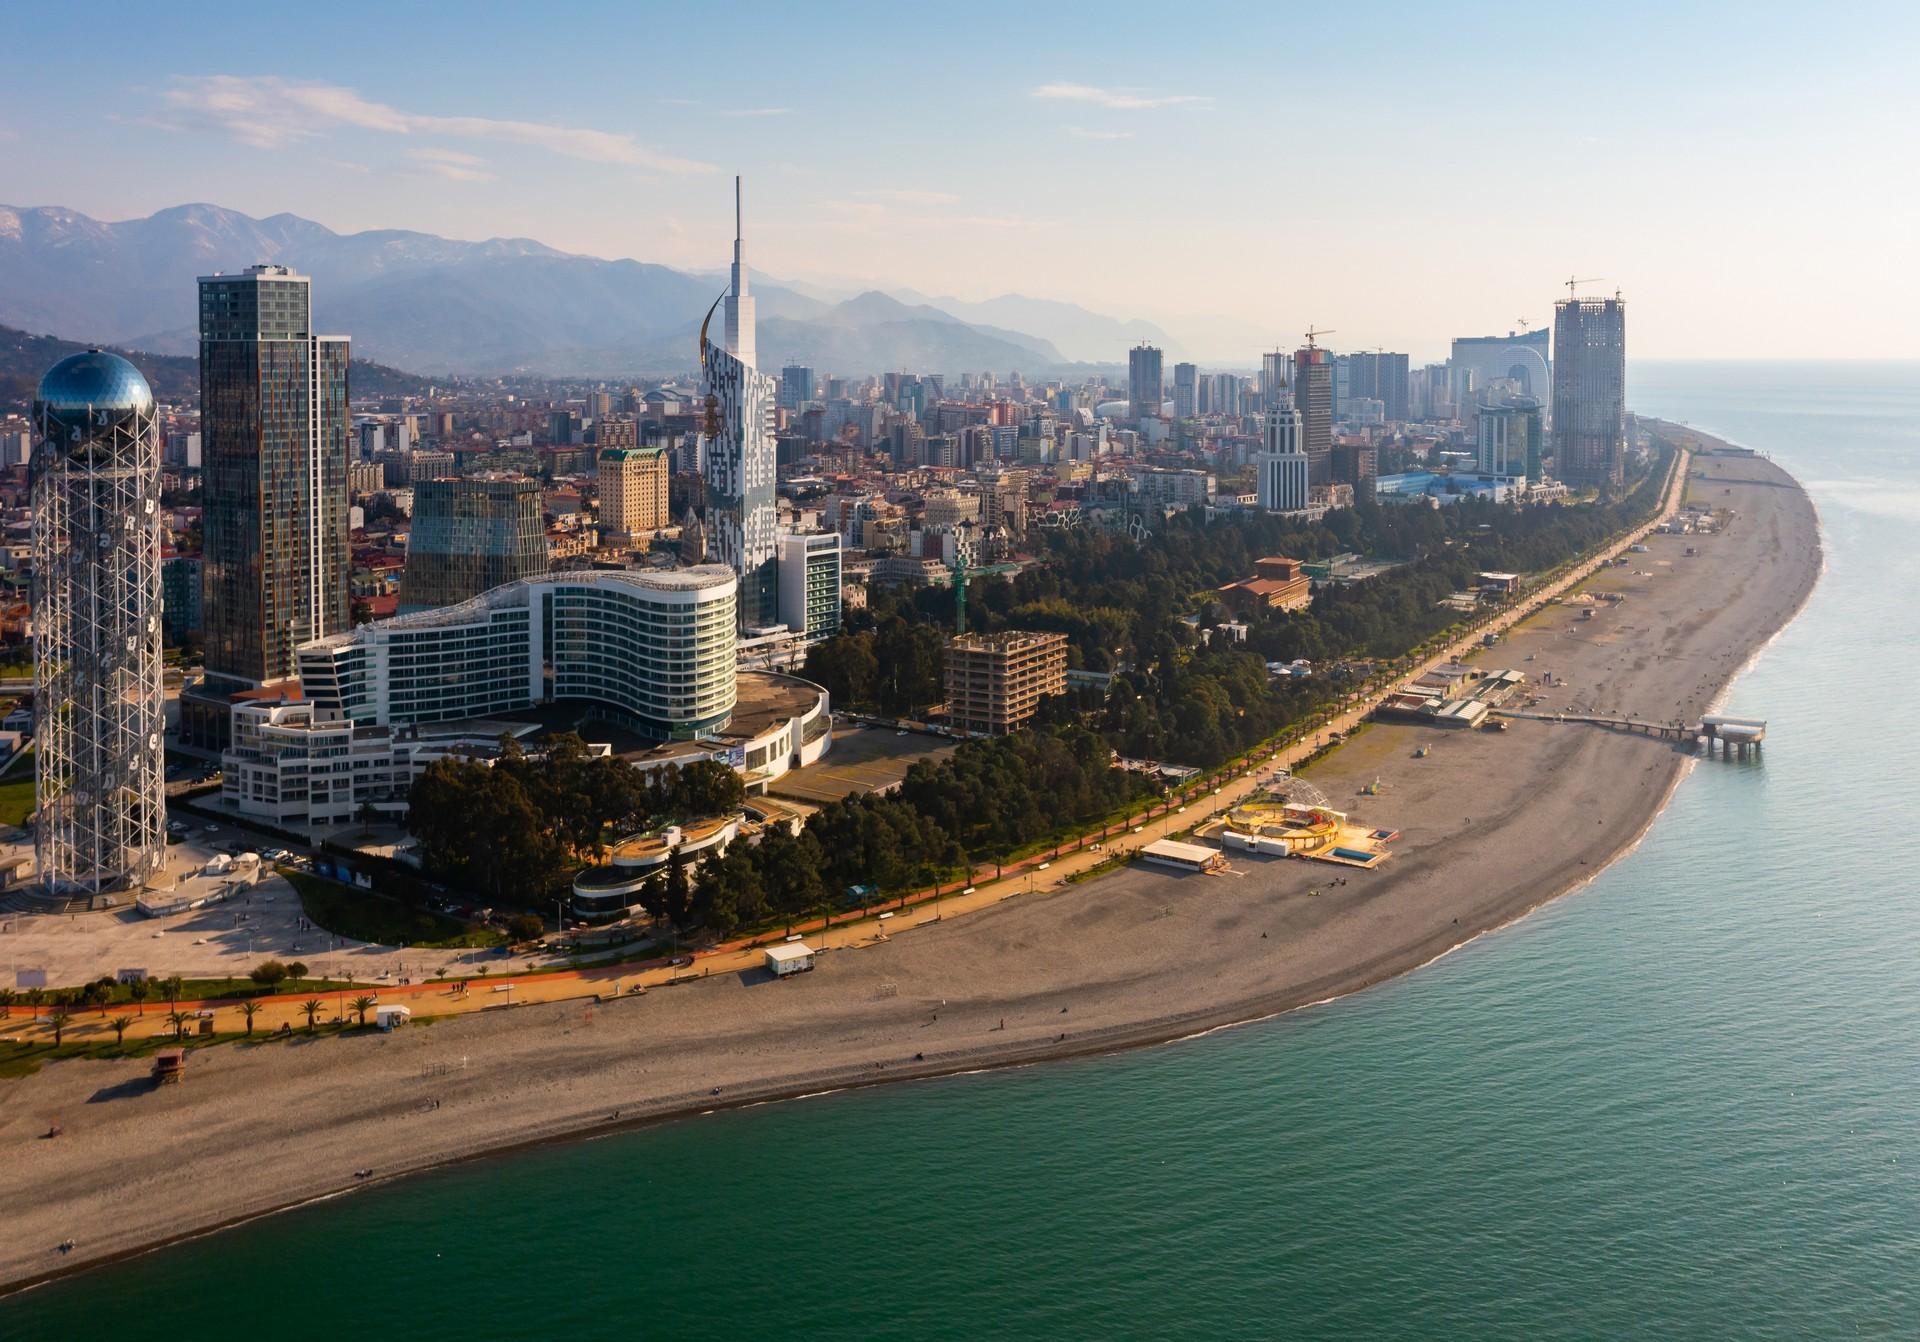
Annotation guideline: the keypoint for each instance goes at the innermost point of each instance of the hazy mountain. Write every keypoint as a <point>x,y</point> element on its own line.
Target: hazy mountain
<point>1080,335</point>
<point>24,357</point>
<point>438,305</point>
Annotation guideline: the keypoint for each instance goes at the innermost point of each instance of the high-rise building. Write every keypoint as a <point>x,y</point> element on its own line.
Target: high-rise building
<point>275,427</point>
<point>1382,377</point>
<point>633,491</point>
<point>1228,394</point>
<point>1281,472</point>
<point>1276,378</point>
<point>99,796</point>
<point>1519,357</point>
<point>1590,391</point>
<point>796,386</point>
<point>1510,438</point>
<point>741,464</point>
<point>810,578</point>
<point>469,536</point>
<point>1313,397</point>
<point>1186,391</point>
<point>1144,383</point>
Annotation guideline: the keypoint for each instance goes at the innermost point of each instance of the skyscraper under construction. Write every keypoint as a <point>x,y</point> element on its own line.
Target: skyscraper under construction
<point>1590,391</point>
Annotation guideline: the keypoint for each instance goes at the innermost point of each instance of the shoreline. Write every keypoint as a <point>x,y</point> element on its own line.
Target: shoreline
<point>819,1009</point>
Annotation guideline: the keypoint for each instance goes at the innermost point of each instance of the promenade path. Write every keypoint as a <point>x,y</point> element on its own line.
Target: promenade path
<point>1183,810</point>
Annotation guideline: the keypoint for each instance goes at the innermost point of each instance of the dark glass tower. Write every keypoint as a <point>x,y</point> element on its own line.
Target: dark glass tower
<point>274,426</point>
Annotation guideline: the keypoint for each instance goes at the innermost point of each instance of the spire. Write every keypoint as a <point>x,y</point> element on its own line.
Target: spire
<point>740,321</point>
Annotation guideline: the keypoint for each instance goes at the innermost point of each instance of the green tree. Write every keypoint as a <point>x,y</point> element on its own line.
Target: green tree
<point>677,890</point>
<point>59,1016</point>
<point>269,974</point>
<point>312,1006</point>
<point>178,1020</point>
<point>363,1004</point>
<point>139,990</point>
<point>119,1026</point>
<point>526,927</point>
<point>296,970</point>
<point>249,1010</point>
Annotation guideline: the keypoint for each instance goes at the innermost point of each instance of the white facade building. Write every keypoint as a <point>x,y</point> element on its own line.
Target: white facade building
<point>1282,471</point>
<point>655,652</point>
<point>810,577</point>
<point>740,460</point>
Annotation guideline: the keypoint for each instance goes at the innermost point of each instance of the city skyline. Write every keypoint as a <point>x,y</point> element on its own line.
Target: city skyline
<point>1704,118</point>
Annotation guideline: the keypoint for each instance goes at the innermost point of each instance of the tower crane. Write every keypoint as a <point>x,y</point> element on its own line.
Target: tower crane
<point>1311,333</point>
<point>1571,282</point>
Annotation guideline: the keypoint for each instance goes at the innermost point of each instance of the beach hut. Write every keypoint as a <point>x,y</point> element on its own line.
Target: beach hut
<point>794,957</point>
<point>169,1065</point>
<point>392,1017</point>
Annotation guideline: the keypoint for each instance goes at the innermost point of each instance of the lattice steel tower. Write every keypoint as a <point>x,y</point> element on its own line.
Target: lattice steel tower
<point>96,627</point>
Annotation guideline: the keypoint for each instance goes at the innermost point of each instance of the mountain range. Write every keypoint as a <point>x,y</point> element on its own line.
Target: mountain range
<point>436,305</point>
<point>25,357</point>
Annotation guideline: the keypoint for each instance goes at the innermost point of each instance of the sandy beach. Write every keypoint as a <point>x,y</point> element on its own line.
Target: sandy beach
<point>1492,824</point>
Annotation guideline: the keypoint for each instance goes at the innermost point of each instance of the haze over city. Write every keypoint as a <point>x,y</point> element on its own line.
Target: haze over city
<point>1401,173</point>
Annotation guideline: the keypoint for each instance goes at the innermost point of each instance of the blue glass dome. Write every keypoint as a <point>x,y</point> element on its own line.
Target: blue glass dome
<point>76,391</point>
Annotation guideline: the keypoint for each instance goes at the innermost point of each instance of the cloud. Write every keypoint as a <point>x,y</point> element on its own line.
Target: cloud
<point>346,165</point>
<point>1082,133</point>
<point>1119,99</point>
<point>758,111</point>
<point>911,197</point>
<point>451,164</point>
<point>268,112</point>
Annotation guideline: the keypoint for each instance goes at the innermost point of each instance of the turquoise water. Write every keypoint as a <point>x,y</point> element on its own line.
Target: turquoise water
<point>1680,1103</point>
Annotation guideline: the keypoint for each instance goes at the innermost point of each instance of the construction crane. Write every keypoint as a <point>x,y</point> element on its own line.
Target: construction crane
<point>1312,333</point>
<point>1571,282</point>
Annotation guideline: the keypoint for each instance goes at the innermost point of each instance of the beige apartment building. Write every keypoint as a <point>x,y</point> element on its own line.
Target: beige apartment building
<point>633,492</point>
<point>995,682</point>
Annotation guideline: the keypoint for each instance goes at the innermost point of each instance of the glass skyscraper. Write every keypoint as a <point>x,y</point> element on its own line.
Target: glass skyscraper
<point>469,536</point>
<point>741,468</point>
<point>274,434</point>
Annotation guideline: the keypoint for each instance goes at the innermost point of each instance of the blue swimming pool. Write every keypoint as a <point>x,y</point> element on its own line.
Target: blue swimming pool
<point>1354,854</point>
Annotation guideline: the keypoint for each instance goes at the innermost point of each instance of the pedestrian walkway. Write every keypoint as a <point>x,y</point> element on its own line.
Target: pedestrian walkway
<point>1184,809</point>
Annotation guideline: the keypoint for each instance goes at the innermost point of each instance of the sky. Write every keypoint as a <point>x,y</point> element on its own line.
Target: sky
<point>1745,175</point>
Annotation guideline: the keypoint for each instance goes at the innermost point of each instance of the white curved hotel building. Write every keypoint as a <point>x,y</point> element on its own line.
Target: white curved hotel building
<point>654,652</point>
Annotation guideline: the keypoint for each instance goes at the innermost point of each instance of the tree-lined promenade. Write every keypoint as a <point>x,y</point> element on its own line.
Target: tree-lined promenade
<point>1066,859</point>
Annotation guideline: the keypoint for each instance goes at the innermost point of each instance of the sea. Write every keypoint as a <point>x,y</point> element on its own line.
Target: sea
<point>1683,1102</point>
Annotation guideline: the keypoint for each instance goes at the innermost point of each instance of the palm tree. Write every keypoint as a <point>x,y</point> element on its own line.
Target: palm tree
<point>249,1010</point>
<point>178,1020</point>
<point>6,1001</point>
<point>363,1004</point>
<point>35,996</point>
<point>173,985</point>
<point>58,1016</point>
<point>120,1024</point>
<point>312,1007</point>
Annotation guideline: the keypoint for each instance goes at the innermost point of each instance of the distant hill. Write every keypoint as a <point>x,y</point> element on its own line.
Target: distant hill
<point>504,306</point>
<point>24,357</point>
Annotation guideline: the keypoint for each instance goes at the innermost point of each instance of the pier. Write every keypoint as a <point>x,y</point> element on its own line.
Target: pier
<point>1737,738</point>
